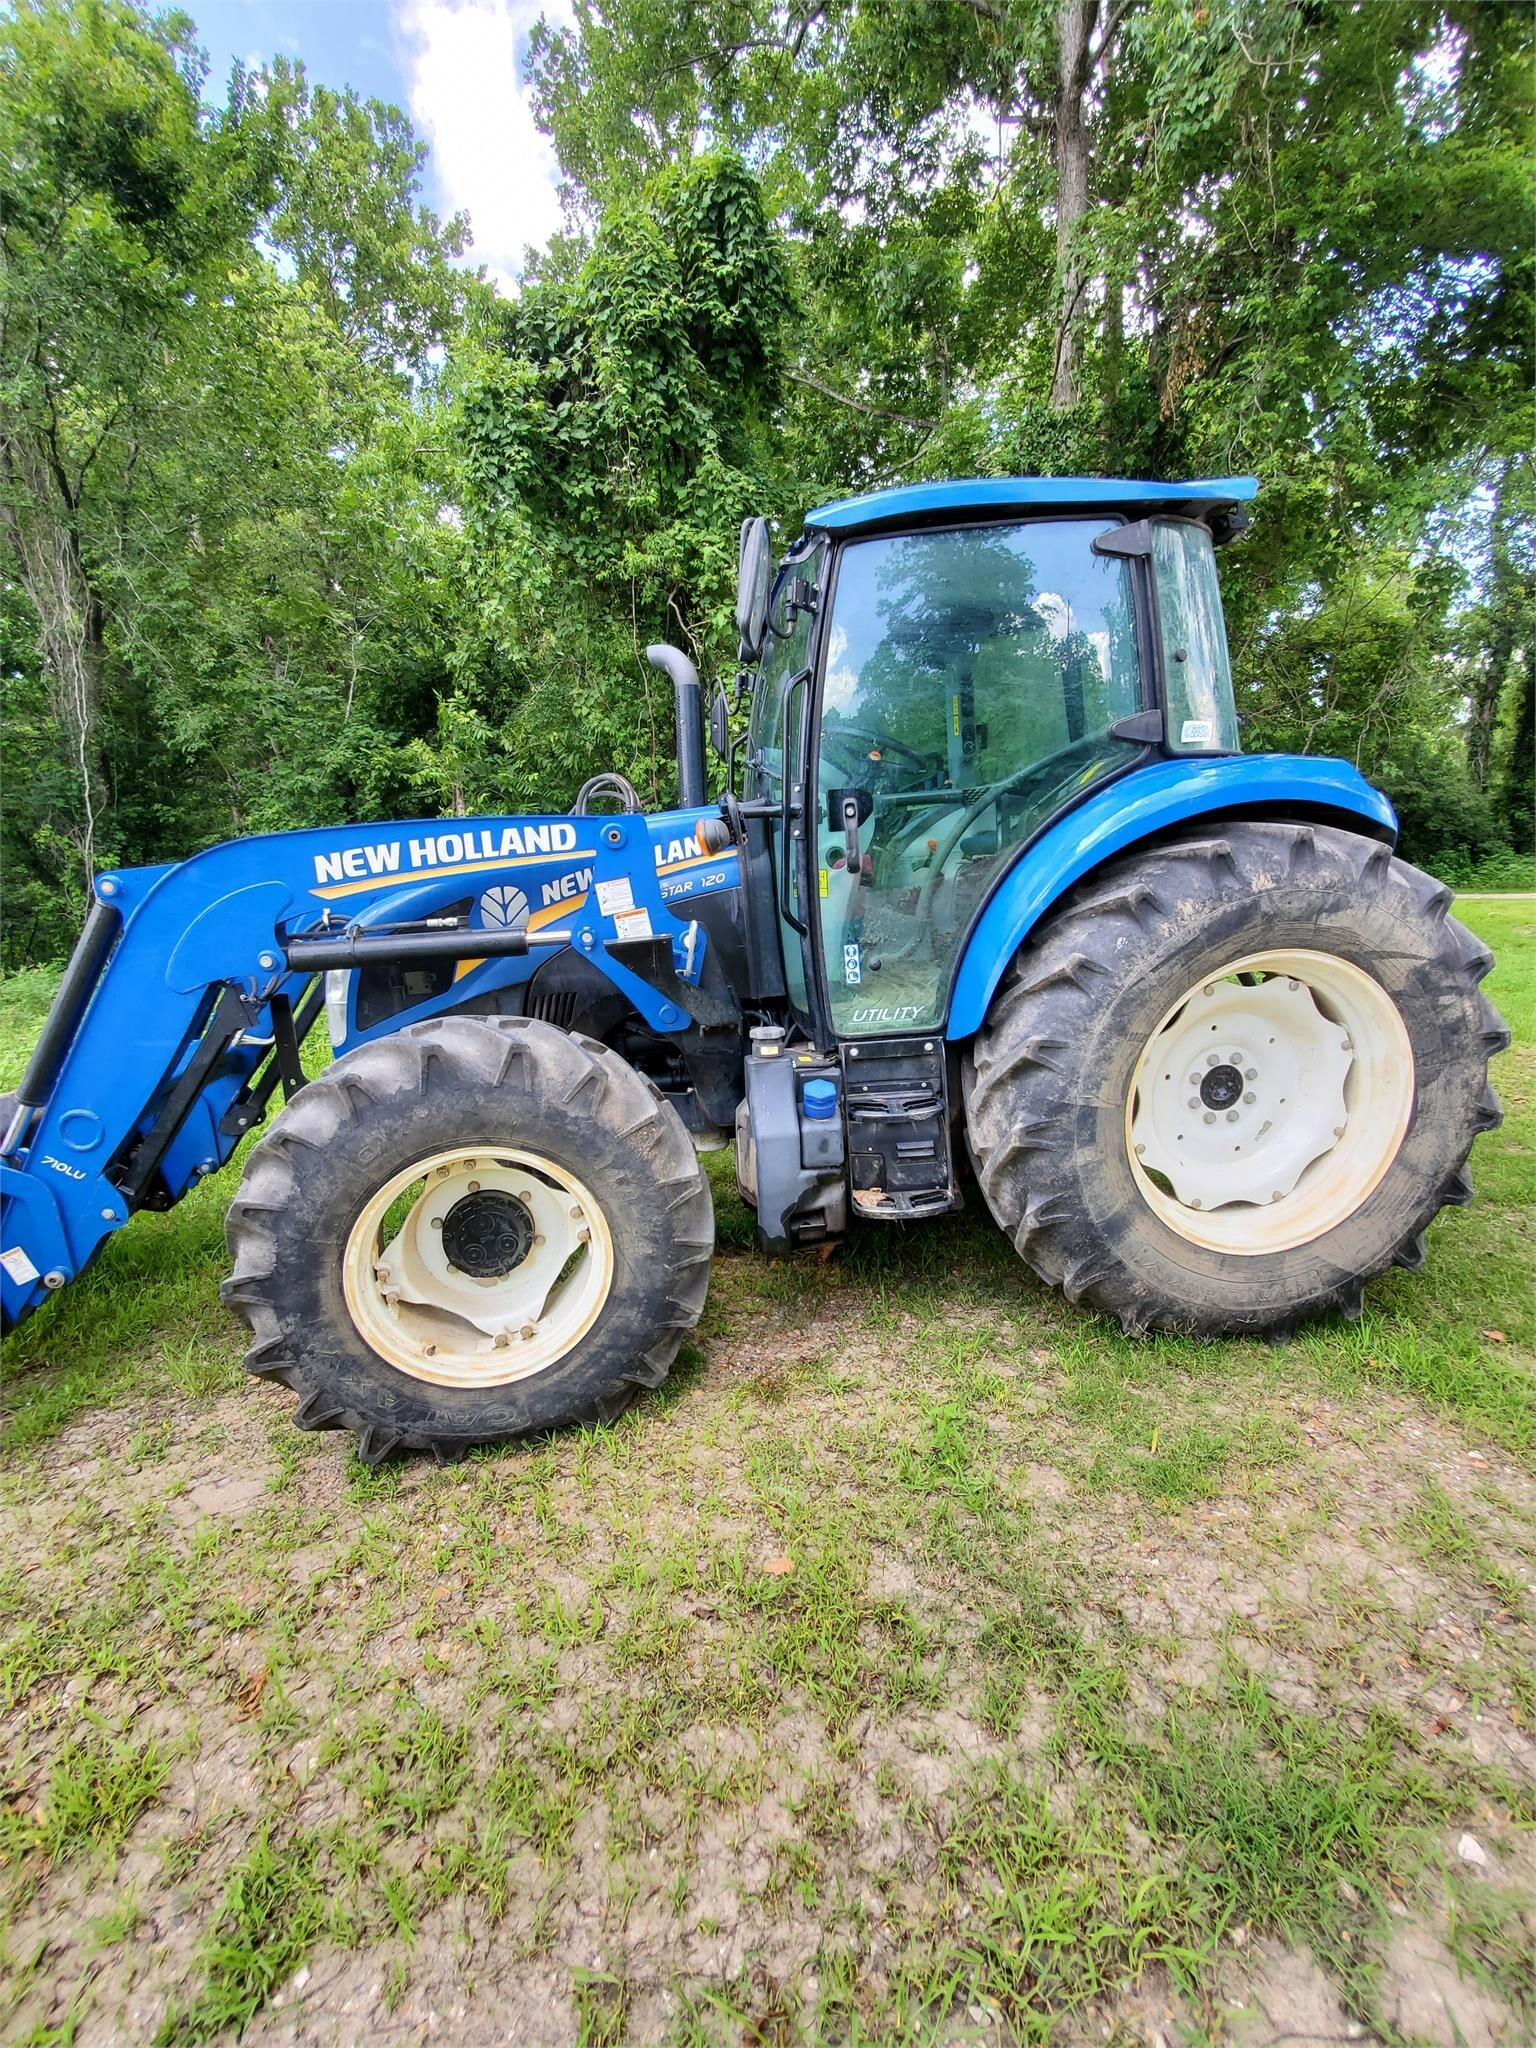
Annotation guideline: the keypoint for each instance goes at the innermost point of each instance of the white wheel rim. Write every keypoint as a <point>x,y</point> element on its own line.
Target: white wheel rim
<point>439,1321</point>
<point>1269,1110</point>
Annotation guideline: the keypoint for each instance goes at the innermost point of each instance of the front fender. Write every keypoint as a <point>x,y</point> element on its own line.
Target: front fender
<point>1132,809</point>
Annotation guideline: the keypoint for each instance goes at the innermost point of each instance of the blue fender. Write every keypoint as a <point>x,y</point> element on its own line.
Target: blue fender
<point>1148,801</point>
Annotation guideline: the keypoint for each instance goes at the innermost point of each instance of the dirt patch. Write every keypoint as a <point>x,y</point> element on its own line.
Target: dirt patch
<point>806,1704</point>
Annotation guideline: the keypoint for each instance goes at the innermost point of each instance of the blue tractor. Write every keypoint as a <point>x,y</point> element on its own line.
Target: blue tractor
<point>992,901</point>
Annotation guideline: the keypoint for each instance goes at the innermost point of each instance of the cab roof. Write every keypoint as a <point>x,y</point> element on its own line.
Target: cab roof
<point>984,497</point>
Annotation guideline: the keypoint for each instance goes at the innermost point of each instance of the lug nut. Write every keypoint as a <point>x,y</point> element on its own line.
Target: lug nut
<point>526,1330</point>
<point>1210,1116</point>
<point>474,1187</point>
<point>1250,1073</point>
<point>437,1222</point>
<point>1194,1080</point>
<point>1250,1096</point>
<point>500,1341</point>
<point>430,1349</point>
<point>1195,1203</point>
<point>1194,1102</point>
<point>1231,1116</point>
<point>1141,1151</point>
<point>1213,1059</point>
<point>1277,1196</point>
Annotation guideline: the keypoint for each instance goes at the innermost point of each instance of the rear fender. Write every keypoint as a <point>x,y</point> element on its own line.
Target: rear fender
<point>1140,805</point>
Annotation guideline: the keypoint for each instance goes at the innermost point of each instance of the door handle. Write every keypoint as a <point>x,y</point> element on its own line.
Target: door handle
<point>792,818</point>
<point>851,848</point>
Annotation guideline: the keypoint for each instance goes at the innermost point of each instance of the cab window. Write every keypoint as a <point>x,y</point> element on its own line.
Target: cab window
<point>971,679</point>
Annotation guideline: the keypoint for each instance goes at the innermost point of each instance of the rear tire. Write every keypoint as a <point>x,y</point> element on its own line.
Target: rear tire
<point>476,1228</point>
<point>1096,1010</point>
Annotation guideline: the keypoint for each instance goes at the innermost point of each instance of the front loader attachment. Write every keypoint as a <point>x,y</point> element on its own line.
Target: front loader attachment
<point>193,987</point>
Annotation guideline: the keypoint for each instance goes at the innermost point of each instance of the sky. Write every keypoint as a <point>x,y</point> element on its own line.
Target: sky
<point>453,65</point>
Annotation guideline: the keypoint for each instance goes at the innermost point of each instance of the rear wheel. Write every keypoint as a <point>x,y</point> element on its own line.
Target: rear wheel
<point>1234,1078</point>
<point>473,1229</point>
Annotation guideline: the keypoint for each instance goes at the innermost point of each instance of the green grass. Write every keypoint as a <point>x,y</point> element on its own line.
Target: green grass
<point>925,1648</point>
<point>24,1000</point>
<point>98,1786</point>
<point>273,1910</point>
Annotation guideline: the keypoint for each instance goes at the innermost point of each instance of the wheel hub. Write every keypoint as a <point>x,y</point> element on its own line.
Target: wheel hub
<point>497,1267</point>
<point>1280,1087</point>
<point>1220,1087</point>
<point>487,1234</point>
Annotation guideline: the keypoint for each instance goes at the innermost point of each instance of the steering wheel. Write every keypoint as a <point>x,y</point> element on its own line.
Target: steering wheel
<point>878,742</point>
<point>982,801</point>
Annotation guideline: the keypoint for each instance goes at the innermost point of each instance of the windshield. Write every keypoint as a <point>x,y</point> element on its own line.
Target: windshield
<point>971,679</point>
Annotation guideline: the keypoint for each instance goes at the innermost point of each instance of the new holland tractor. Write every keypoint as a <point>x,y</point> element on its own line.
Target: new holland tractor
<point>992,903</point>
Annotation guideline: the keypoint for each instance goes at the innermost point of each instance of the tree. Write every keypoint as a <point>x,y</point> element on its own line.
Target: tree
<point>220,471</point>
<point>1157,236</point>
<point>613,421</point>
<point>119,206</point>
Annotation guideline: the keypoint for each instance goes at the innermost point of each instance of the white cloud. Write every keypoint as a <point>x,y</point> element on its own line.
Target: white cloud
<point>462,62</point>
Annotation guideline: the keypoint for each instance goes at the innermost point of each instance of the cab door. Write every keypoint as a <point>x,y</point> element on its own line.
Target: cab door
<point>976,683</point>
<point>776,743</point>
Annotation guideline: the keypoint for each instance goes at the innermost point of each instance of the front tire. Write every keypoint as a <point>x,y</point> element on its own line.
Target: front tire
<point>1233,1078</point>
<point>476,1228</point>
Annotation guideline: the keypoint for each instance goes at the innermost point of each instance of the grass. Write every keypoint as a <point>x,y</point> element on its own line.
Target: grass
<point>272,1911</point>
<point>926,1657</point>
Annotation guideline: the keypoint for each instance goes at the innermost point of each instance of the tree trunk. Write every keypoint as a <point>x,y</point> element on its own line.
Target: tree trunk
<point>1114,340</point>
<point>1519,791</point>
<point>1074,25</point>
<point>1498,648</point>
<point>39,519</point>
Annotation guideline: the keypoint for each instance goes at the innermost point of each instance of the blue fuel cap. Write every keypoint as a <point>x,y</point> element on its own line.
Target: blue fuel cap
<point>819,1099</point>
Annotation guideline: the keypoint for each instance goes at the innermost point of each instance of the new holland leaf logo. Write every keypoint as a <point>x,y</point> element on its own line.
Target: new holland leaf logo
<point>504,909</point>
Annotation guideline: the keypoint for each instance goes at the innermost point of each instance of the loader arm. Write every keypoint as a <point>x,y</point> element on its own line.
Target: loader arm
<point>193,987</point>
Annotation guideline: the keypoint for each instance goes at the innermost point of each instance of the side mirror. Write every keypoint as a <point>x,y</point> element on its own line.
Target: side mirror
<point>720,724</point>
<point>752,587</point>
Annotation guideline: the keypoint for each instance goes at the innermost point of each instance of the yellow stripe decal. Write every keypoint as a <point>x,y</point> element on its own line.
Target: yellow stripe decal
<point>466,867</point>
<point>696,860</point>
<point>553,912</point>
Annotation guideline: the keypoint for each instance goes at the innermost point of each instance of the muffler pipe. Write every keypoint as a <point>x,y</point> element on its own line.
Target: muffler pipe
<point>688,705</point>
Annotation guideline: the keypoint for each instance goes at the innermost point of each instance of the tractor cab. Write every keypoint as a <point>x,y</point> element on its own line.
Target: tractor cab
<point>940,672</point>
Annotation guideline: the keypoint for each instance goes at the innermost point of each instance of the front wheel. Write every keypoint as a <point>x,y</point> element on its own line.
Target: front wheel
<point>473,1229</point>
<point>1234,1078</point>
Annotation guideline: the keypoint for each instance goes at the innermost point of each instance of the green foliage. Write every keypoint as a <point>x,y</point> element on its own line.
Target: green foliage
<point>1331,287</point>
<point>225,603</point>
<point>613,422</point>
<point>303,524</point>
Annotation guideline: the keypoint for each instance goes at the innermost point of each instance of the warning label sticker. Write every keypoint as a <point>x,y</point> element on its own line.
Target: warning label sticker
<point>633,924</point>
<point>18,1266</point>
<point>614,897</point>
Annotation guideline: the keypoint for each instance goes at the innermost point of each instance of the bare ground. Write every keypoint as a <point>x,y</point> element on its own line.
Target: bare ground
<point>881,1683</point>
